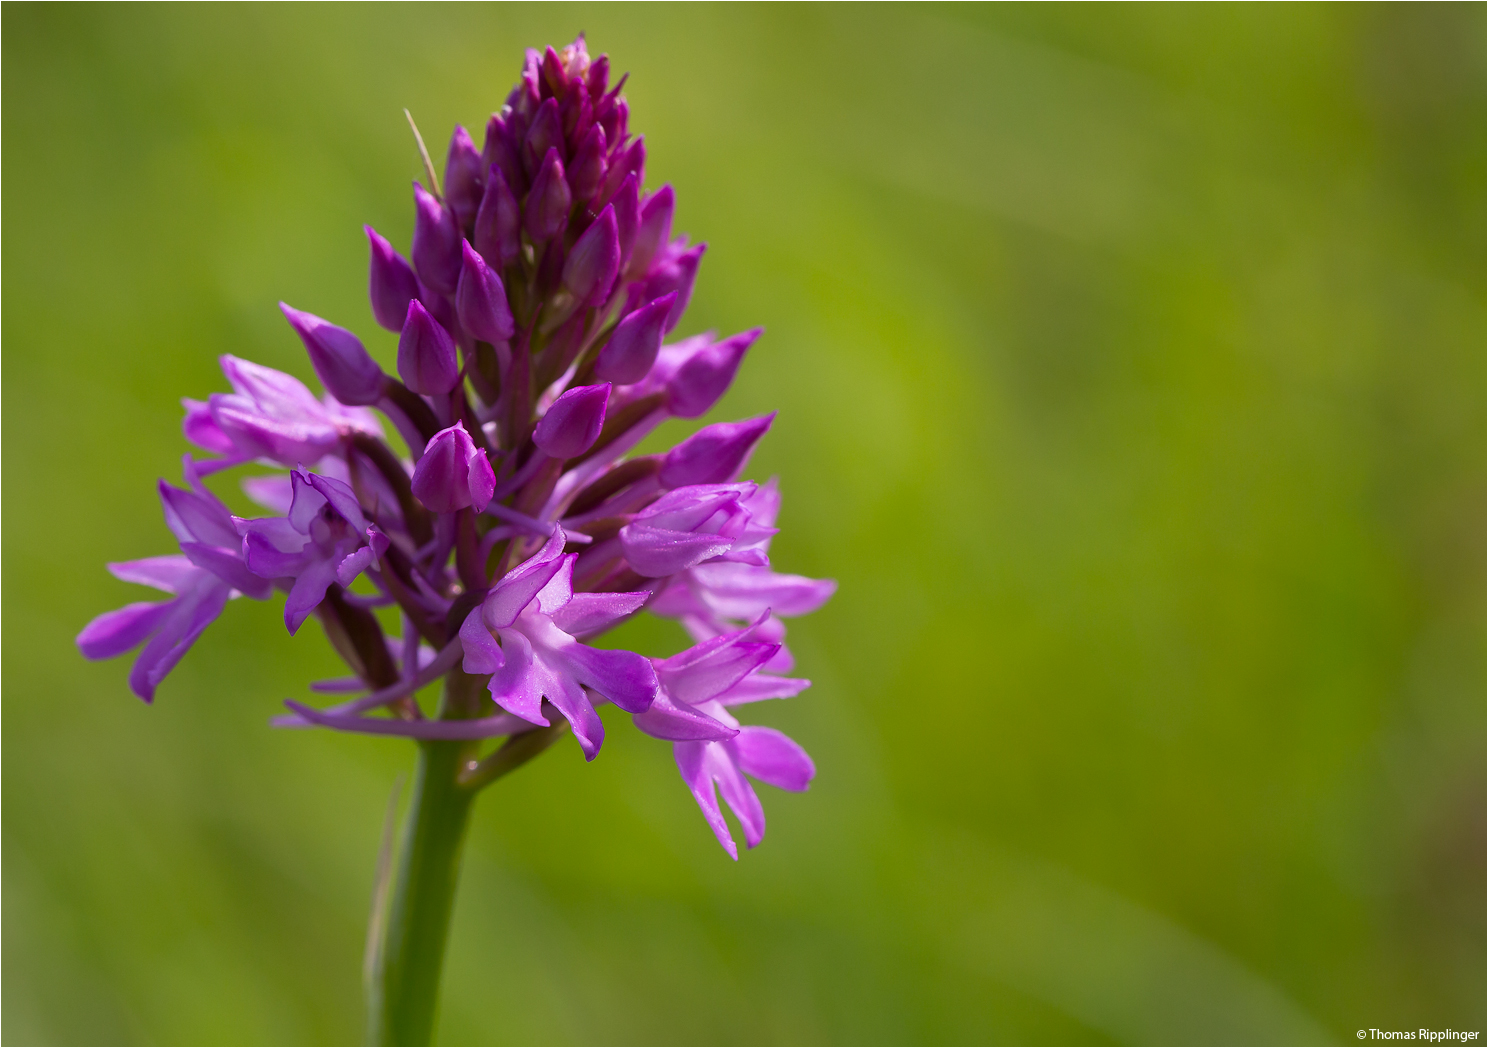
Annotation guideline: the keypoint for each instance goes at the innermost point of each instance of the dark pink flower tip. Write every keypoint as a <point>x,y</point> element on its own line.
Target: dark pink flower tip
<point>573,423</point>
<point>498,223</point>
<point>463,173</point>
<point>655,229</point>
<point>480,300</point>
<point>340,360</point>
<point>627,205</point>
<point>678,275</point>
<point>503,152</point>
<point>632,348</point>
<point>390,282</point>
<point>453,473</point>
<point>436,242</point>
<point>714,454</point>
<point>707,374</point>
<point>548,201</point>
<point>426,353</point>
<point>587,170</point>
<point>632,161</point>
<point>591,267</point>
<point>544,133</point>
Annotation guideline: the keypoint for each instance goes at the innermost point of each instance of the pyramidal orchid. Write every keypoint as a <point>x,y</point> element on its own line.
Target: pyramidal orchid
<point>532,310</point>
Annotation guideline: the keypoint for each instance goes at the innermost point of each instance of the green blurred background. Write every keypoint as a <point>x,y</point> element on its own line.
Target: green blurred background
<point>1131,378</point>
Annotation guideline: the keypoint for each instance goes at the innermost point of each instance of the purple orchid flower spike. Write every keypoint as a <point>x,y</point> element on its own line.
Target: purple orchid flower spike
<point>515,522</point>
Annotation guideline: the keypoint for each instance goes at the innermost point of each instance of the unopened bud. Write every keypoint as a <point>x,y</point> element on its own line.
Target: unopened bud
<point>633,346</point>
<point>591,267</point>
<point>340,360</point>
<point>436,242</point>
<point>463,171</point>
<point>480,300</point>
<point>714,454</point>
<point>426,353</point>
<point>453,473</point>
<point>498,223</point>
<point>390,282</point>
<point>548,201</point>
<point>704,377</point>
<point>573,423</point>
<point>655,230</point>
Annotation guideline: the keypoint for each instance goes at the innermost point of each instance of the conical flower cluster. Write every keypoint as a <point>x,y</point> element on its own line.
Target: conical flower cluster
<point>532,311</point>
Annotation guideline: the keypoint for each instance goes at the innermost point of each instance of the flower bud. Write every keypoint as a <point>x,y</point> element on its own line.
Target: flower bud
<point>704,377</point>
<point>502,151</point>
<point>714,454</point>
<point>462,177</point>
<point>480,300</point>
<point>341,362</point>
<point>633,346</point>
<point>426,354</point>
<point>453,473</point>
<point>631,161</point>
<point>572,424</point>
<point>498,223</point>
<point>655,230</point>
<point>627,205</point>
<point>548,201</point>
<point>588,168</point>
<point>436,242</point>
<point>599,77</point>
<point>544,133</point>
<point>591,267</point>
<point>676,271</point>
<point>390,283</point>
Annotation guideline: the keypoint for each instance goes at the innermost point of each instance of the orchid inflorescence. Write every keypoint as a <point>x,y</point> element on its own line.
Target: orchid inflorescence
<point>543,282</point>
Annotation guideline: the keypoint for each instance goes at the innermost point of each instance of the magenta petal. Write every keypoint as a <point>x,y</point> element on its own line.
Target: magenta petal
<point>690,757</point>
<point>201,428</point>
<point>774,757</point>
<point>227,565</point>
<point>191,614</point>
<point>516,686</point>
<point>481,728</point>
<point>569,699</point>
<point>341,497</point>
<point>482,654</point>
<point>115,632</point>
<point>520,586</point>
<point>589,613</point>
<point>634,344</point>
<point>667,720</point>
<point>698,680</point>
<point>657,552</point>
<point>737,792</point>
<point>193,518</point>
<point>171,573</point>
<point>762,686</point>
<point>308,591</point>
<point>625,678</point>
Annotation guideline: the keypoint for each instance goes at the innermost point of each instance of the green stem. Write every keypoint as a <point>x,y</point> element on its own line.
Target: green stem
<point>405,990</point>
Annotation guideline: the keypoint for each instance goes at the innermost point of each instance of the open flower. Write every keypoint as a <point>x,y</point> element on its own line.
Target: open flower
<point>523,636</point>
